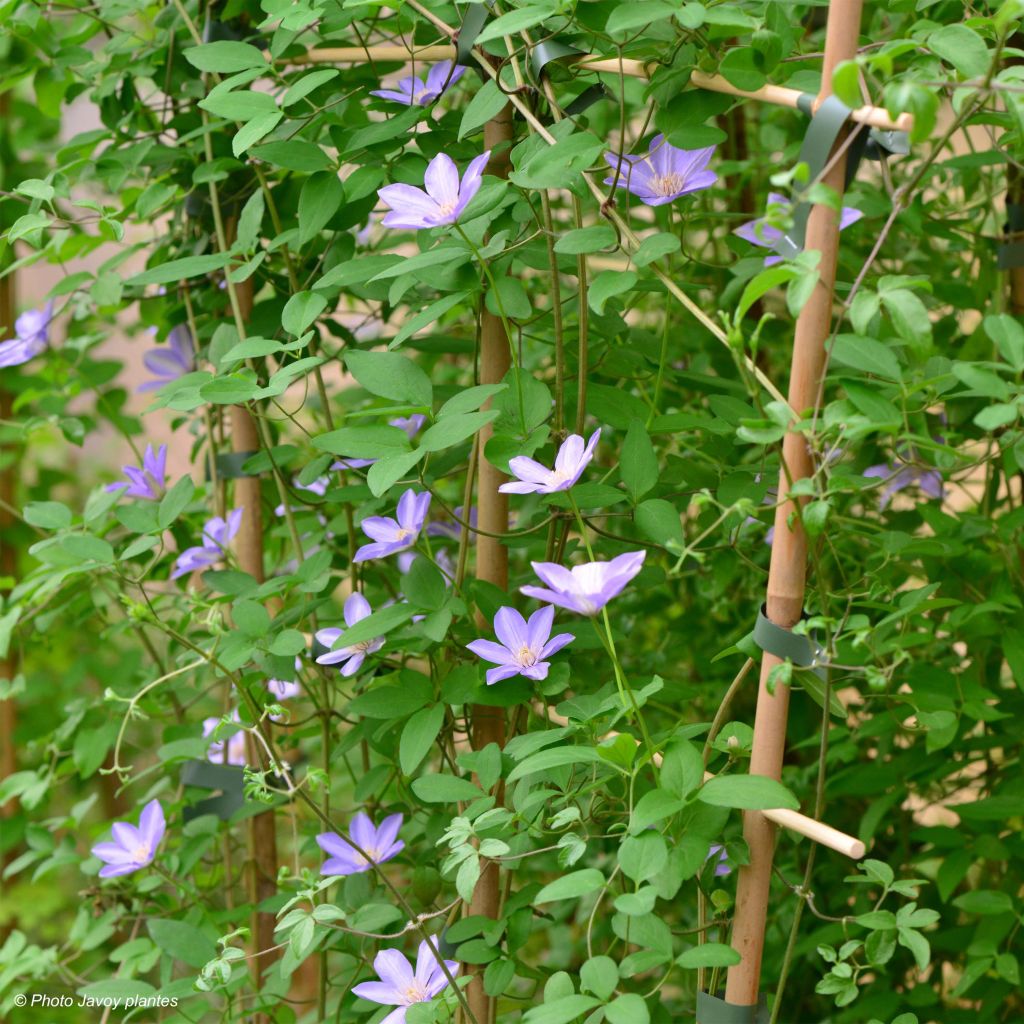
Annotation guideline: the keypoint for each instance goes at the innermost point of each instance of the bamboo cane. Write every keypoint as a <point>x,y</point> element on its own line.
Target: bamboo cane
<point>262,831</point>
<point>491,553</point>
<point>776,95</point>
<point>787,570</point>
<point>8,482</point>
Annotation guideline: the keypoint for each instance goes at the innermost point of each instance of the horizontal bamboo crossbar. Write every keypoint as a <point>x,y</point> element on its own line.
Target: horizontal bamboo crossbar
<point>777,95</point>
<point>825,835</point>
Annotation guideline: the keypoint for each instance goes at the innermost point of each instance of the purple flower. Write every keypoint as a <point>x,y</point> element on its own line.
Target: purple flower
<point>585,588</point>
<point>234,745</point>
<point>217,533</point>
<point>415,92</point>
<point>722,866</point>
<point>399,986</point>
<point>410,424</point>
<point>150,481</point>
<point>31,336</point>
<point>133,848</point>
<point>904,475</point>
<point>171,362</point>
<point>285,689</point>
<point>453,530</point>
<point>526,645</point>
<point>317,487</point>
<point>761,233</point>
<point>571,460</point>
<point>379,845</point>
<point>444,200</point>
<point>352,657</point>
<point>391,535</point>
<point>666,173</point>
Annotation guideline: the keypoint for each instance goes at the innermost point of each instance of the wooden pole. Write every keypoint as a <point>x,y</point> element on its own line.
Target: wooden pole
<point>777,95</point>
<point>787,571</point>
<point>491,554</point>
<point>8,483</point>
<point>262,830</point>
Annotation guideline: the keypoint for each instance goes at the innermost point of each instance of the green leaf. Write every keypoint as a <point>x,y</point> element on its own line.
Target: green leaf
<point>175,501</point>
<point>642,857</point>
<point>301,310</point>
<point>581,240</point>
<point>638,465</point>
<point>445,789</point>
<point>711,954</point>
<point>487,102</point>
<point>660,521</point>
<point>654,247</point>
<point>376,624</point>
<point>306,84</point>
<point>556,757</point>
<point>599,975</point>
<point>453,430</point>
<point>984,902</point>
<point>560,1011</point>
<point>629,1008</point>
<point>363,442</point>
<point>181,270</point>
<point>741,67</point>
<point>963,48</point>
<point>607,285</point>
<point>515,21</point>
<point>866,354</point>
<point>387,471</point>
<point>750,792</point>
<point>242,105</point>
<point>320,199</point>
<point>627,17</point>
<point>48,515</point>
<point>392,376</point>
<point>225,57</point>
<point>293,155</point>
<point>182,941</point>
<point>764,282</point>
<point>1008,334</point>
<point>570,886</point>
<point>428,317</point>
<point>418,737</point>
<point>653,807</point>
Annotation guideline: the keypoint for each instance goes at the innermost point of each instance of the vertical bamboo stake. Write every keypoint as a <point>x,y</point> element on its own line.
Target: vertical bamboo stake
<point>8,482</point>
<point>491,553</point>
<point>249,546</point>
<point>787,571</point>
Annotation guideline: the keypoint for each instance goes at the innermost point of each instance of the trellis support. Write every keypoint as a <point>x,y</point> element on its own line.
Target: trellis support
<point>787,570</point>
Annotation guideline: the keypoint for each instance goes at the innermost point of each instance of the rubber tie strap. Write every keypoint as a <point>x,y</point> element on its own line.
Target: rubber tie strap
<point>229,465</point>
<point>790,646</point>
<point>204,775</point>
<point>552,51</point>
<point>1011,254</point>
<point>473,22</point>
<point>712,1010</point>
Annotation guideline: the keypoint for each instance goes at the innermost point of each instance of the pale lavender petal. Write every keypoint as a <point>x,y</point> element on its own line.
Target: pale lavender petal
<point>441,181</point>
<point>538,629</point>
<point>393,969</point>
<point>357,608</point>
<point>510,628</point>
<point>490,651</point>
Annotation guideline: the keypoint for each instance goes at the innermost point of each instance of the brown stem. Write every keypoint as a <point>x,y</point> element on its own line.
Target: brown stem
<point>491,553</point>
<point>787,571</point>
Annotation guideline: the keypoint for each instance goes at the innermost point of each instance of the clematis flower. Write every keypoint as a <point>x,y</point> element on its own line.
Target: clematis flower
<point>150,481</point>
<point>900,476</point>
<point>417,92</point>
<point>572,458</point>
<point>761,233</point>
<point>453,530</point>
<point>401,987</point>
<point>665,174</point>
<point>391,535</point>
<point>410,424</point>
<point>717,852</point>
<point>217,534</point>
<point>444,200</point>
<point>317,487</point>
<point>285,689</point>
<point>585,588</point>
<point>168,363</point>
<point>524,645</point>
<point>31,336</point>
<point>351,658</point>
<point>229,751</point>
<point>379,845</point>
<point>132,848</point>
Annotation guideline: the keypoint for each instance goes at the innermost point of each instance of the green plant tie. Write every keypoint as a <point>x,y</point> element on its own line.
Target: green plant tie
<point>712,1010</point>
<point>204,775</point>
<point>472,25</point>
<point>785,644</point>
<point>229,465</point>
<point>1011,254</point>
